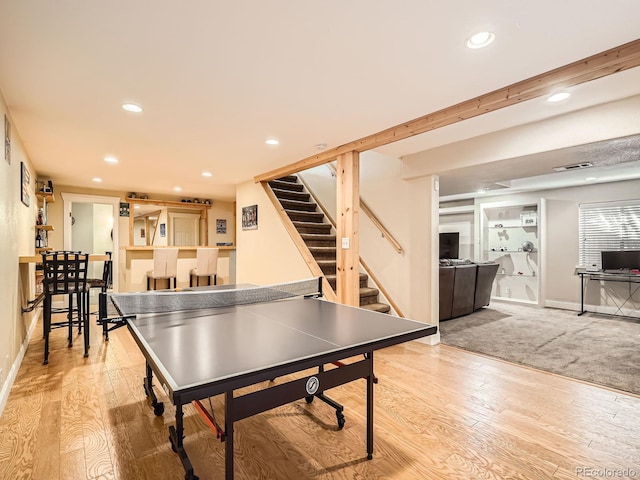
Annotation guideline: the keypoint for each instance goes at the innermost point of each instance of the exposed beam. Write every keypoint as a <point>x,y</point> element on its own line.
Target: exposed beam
<point>597,66</point>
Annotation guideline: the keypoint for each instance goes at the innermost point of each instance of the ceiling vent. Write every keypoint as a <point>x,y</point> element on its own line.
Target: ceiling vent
<point>575,166</point>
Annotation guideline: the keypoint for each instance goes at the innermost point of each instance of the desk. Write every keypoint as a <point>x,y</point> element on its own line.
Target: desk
<point>205,341</point>
<point>602,276</point>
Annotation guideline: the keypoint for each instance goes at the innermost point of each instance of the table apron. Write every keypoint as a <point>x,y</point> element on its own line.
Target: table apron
<point>262,400</point>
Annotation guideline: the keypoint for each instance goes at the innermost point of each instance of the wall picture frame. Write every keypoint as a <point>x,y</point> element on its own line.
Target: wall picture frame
<point>250,217</point>
<point>25,182</point>
<point>7,140</point>
<point>221,225</point>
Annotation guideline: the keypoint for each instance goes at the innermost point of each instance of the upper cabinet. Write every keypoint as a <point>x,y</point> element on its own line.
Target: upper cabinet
<point>157,223</point>
<point>510,237</point>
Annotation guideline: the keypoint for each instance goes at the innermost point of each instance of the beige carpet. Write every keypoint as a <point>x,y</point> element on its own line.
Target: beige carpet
<point>600,349</point>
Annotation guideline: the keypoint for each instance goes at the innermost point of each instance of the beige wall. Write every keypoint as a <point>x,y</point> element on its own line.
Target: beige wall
<point>17,237</point>
<point>266,255</point>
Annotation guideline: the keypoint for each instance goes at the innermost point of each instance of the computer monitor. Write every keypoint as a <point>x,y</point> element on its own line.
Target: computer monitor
<point>620,260</point>
<point>449,245</point>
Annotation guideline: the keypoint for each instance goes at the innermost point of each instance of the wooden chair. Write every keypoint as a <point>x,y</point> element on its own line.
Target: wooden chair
<point>65,273</point>
<point>206,266</point>
<point>165,267</point>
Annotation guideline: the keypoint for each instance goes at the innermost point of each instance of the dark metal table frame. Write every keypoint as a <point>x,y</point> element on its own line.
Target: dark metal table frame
<point>244,406</point>
<point>628,278</point>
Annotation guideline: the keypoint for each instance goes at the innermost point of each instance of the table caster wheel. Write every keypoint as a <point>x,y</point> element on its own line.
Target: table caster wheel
<point>158,409</point>
<point>309,398</point>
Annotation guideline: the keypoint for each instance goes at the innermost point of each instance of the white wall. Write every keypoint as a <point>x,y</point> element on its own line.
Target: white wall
<point>266,255</point>
<point>560,242</point>
<point>17,237</point>
<point>611,120</point>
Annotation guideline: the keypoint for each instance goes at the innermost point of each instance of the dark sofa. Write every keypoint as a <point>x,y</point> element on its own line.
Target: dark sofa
<point>464,287</point>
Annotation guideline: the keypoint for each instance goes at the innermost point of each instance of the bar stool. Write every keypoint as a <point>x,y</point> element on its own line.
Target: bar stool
<point>165,267</point>
<point>65,273</point>
<point>206,266</point>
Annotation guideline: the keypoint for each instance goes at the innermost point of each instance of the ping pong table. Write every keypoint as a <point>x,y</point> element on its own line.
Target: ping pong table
<point>206,341</point>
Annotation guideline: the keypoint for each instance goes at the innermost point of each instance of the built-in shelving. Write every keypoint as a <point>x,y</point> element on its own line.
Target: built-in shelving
<point>509,237</point>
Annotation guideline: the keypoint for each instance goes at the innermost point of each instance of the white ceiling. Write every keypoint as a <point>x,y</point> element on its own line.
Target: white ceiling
<point>217,78</point>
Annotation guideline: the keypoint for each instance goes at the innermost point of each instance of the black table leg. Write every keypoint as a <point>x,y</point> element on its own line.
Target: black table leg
<point>228,427</point>
<point>370,408</point>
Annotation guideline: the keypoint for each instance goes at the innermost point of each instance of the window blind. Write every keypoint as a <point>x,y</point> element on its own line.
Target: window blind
<point>607,226</point>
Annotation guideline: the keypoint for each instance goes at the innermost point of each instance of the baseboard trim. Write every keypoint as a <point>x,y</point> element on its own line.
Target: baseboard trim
<point>604,310</point>
<point>15,367</point>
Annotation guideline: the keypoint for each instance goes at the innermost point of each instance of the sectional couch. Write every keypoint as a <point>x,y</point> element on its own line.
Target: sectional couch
<point>465,287</point>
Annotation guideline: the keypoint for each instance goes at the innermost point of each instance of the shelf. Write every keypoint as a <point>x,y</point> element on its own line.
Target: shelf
<point>511,226</point>
<point>48,228</point>
<point>168,203</point>
<point>43,249</point>
<point>509,251</point>
<point>49,197</point>
<point>516,275</point>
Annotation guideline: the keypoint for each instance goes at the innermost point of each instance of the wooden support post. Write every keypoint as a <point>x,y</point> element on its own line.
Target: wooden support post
<point>348,238</point>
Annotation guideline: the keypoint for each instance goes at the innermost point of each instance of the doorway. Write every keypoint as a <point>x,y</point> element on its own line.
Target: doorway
<point>90,225</point>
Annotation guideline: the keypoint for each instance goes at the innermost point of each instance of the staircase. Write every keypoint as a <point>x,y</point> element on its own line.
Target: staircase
<point>315,231</point>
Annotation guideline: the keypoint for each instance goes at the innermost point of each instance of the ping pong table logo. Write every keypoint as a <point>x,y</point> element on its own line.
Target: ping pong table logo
<point>312,385</point>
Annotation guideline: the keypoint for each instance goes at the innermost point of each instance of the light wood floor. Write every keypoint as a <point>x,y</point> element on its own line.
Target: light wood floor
<point>440,413</point>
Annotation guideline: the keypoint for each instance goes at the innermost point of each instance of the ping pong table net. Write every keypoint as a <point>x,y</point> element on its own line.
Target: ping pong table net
<point>197,299</point>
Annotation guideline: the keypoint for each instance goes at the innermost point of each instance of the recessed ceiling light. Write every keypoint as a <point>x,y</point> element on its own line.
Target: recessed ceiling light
<point>480,39</point>
<point>110,159</point>
<point>96,179</point>
<point>558,97</point>
<point>272,141</point>
<point>177,189</point>
<point>132,107</point>
<point>321,146</point>
<point>590,179</point>
<point>207,174</point>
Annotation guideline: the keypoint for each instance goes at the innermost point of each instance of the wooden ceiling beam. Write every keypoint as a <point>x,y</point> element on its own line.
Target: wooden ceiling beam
<point>597,66</point>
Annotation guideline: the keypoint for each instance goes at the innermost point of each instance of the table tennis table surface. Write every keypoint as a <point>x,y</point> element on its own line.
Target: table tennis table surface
<point>213,346</point>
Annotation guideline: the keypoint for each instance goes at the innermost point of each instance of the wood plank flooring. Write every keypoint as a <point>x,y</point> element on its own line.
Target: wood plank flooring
<point>440,413</point>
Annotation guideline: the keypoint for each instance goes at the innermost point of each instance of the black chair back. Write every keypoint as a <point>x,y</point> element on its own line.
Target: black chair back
<point>64,272</point>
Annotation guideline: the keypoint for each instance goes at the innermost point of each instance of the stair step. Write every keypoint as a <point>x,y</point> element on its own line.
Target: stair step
<point>323,253</point>
<point>298,206</point>
<point>319,240</point>
<point>290,195</point>
<point>311,217</point>
<point>289,178</point>
<point>378,307</point>
<point>364,279</point>
<point>368,295</point>
<point>284,185</point>
<point>310,227</point>
<point>328,267</point>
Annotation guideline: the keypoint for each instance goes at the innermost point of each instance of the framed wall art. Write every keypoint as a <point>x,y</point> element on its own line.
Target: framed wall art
<point>250,217</point>
<point>25,179</point>
<point>7,140</point>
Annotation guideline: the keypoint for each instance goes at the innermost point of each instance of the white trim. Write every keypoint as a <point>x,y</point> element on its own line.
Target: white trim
<point>70,198</point>
<point>15,367</point>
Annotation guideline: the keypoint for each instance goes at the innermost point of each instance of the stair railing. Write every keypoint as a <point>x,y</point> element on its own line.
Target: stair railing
<point>333,223</point>
<point>367,211</point>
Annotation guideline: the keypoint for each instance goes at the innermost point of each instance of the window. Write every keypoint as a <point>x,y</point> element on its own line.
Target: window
<point>608,226</point>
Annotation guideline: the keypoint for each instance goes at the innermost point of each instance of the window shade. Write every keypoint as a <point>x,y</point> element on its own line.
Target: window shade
<point>608,226</point>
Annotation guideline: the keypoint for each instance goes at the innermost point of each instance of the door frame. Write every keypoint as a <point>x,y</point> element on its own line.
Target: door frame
<point>70,198</point>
